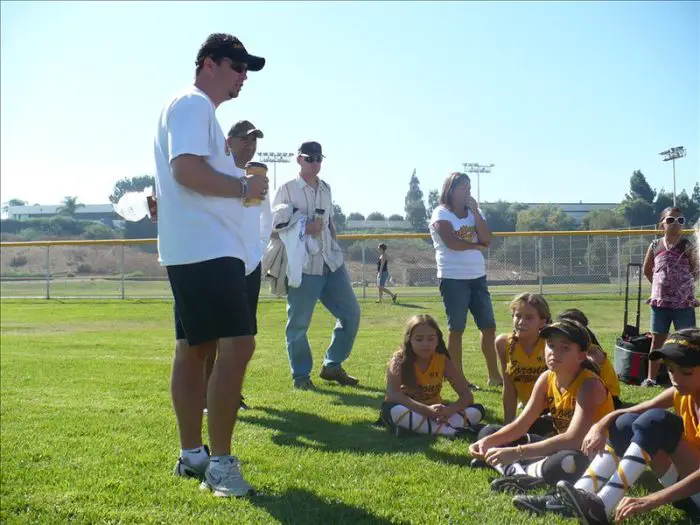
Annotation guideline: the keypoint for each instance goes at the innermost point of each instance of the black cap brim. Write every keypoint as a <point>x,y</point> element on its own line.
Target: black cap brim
<point>676,355</point>
<point>559,328</point>
<point>254,63</point>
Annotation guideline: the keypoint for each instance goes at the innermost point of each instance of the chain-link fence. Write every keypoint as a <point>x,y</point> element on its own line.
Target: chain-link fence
<point>545,262</point>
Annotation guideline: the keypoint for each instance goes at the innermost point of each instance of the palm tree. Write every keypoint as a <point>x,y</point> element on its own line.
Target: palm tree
<point>69,206</point>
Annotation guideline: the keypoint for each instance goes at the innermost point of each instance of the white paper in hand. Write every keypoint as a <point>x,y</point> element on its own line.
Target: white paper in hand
<point>132,206</point>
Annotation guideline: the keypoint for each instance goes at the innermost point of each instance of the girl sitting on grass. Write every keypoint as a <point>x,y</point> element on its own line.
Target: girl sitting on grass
<point>597,355</point>
<point>576,398</point>
<point>416,371</point>
<point>521,354</point>
<point>646,435</point>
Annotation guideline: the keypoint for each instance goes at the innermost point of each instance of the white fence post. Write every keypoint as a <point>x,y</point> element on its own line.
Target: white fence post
<point>121,268</point>
<point>364,284</point>
<point>619,267</point>
<point>48,272</point>
<point>538,246</point>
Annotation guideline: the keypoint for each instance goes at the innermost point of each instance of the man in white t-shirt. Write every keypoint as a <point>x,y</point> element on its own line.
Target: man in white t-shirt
<point>459,234</point>
<point>205,246</point>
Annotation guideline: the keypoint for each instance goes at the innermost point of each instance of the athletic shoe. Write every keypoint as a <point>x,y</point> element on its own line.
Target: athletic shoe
<point>224,479</point>
<point>587,507</point>
<point>467,432</point>
<point>648,382</point>
<point>517,483</point>
<point>540,504</point>
<point>478,463</point>
<point>184,470</point>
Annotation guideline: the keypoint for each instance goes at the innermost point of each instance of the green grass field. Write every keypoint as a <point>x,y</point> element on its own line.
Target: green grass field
<point>88,434</point>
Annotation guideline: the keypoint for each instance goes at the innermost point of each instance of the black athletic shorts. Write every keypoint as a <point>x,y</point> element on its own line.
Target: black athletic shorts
<point>214,299</point>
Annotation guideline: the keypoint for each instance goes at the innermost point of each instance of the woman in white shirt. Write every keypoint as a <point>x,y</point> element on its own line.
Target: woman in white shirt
<point>459,234</point>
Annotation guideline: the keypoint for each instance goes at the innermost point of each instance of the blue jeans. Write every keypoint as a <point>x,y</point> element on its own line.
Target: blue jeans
<point>462,295</point>
<point>336,294</point>
<point>661,319</point>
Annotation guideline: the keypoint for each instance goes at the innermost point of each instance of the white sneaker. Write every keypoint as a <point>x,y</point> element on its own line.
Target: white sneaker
<point>185,470</point>
<point>224,479</point>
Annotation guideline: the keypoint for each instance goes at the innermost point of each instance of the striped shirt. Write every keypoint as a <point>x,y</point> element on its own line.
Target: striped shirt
<point>307,200</point>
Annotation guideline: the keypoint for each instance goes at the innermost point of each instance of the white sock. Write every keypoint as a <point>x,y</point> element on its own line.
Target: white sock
<point>599,471</point>
<point>534,469</point>
<point>509,470</point>
<point>632,464</point>
<point>418,423</point>
<point>670,478</point>
<point>195,457</point>
<point>470,416</point>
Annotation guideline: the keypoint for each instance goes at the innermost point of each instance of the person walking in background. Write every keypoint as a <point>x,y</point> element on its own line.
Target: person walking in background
<point>324,277</point>
<point>206,248</point>
<point>459,234</point>
<point>671,266</point>
<point>383,274</point>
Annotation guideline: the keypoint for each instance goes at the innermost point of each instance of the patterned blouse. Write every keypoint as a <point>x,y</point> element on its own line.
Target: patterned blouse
<point>673,284</point>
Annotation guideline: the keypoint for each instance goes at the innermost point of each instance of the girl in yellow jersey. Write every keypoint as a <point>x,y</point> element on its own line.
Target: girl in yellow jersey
<point>597,355</point>
<point>413,401</point>
<point>576,398</point>
<point>646,435</point>
<point>521,354</point>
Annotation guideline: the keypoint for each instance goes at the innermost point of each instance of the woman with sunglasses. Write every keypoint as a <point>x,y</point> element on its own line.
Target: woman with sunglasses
<point>671,265</point>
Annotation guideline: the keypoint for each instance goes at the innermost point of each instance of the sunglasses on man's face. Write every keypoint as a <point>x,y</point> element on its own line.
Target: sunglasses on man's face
<point>671,220</point>
<point>313,158</point>
<point>238,67</point>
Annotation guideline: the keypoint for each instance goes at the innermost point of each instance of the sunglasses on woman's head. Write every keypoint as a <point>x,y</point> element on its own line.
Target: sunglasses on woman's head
<point>313,158</point>
<point>671,220</point>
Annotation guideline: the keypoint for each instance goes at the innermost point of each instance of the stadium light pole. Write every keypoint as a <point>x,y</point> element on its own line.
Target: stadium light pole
<point>475,167</point>
<point>672,154</point>
<point>275,157</point>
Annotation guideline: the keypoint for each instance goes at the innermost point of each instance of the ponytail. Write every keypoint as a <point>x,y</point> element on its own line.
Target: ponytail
<point>589,364</point>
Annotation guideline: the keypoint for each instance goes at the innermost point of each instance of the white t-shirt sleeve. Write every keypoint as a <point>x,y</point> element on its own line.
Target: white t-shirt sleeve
<point>189,128</point>
<point>441,214</point>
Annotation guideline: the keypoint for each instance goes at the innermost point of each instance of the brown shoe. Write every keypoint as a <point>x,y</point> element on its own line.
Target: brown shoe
<point>339,375</point>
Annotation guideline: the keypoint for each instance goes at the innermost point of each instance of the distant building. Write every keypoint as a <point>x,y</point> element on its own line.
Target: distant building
<point>576,210</point>
<point>103,213</point>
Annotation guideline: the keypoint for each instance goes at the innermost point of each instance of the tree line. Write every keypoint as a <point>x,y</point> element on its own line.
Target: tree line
<point>640,207</point>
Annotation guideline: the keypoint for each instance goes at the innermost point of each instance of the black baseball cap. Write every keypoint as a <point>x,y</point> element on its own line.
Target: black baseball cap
<point>310,148</point>
<point>244,128</point>
<point>223,45</point>
<point>682,348</point>
<point>572,330</point>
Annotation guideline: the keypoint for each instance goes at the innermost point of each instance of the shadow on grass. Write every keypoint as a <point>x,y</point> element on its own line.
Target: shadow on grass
<point>349,396</point>
<point>300,506</point>
<point>409,305</point>
<point>292,428</point>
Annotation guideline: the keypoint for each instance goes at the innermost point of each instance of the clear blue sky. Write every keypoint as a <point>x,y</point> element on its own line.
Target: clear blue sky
<point>566,98</point>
